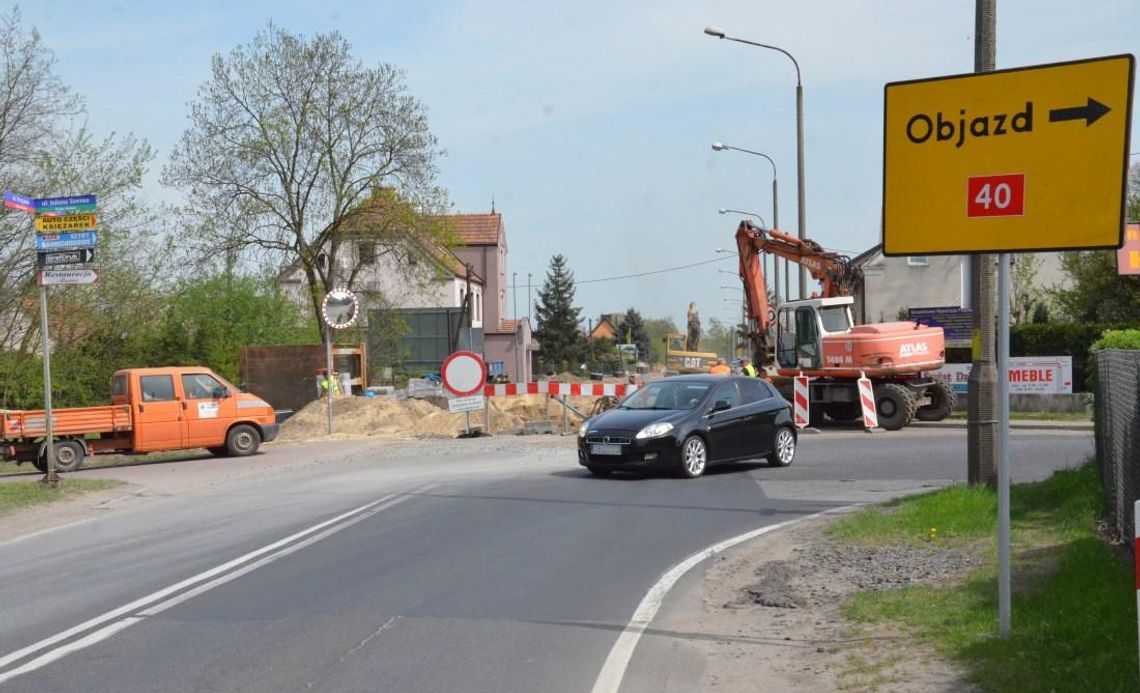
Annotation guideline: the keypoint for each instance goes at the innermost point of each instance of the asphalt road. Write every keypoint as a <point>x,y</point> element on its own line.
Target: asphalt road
<point>476,565</point>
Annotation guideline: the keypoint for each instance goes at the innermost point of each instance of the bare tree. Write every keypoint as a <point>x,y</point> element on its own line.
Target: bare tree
<point>298,151</point>
<point>46,151</point>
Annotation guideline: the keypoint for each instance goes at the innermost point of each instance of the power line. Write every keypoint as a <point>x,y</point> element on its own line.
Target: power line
<point>660,271</point>
<point>644,274</point>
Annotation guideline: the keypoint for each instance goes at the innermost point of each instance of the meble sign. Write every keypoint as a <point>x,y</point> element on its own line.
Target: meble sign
<point>1027,159</point>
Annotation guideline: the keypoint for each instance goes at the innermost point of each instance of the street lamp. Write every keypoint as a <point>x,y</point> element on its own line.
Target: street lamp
<point>721,147</point>
<point>722,210</point>
<point>775,260</point>
<point>720,33</point>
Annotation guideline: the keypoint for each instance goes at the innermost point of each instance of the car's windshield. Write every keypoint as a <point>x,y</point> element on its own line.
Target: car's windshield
<point>667,395</point>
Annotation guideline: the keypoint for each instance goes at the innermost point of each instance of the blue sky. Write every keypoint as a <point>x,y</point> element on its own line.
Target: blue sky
<point>589,123</point>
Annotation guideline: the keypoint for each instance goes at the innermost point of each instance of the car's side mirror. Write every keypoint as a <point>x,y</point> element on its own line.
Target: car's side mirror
<point>721,405</point>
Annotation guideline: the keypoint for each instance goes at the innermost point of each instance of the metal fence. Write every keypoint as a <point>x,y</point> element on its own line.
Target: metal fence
<point>1118,436</point>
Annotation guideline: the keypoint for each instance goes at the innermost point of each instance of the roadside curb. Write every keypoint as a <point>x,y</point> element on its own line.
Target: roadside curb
<point>1014,424</point>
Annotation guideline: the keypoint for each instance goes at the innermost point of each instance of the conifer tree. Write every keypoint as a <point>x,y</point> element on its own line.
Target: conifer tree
<point>557,329</point>
<point>632,331</point>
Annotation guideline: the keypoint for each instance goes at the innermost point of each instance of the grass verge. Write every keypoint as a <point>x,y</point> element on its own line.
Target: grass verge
<point>1073,606</point>
<point>1037,415</point>
<point>17,495</point>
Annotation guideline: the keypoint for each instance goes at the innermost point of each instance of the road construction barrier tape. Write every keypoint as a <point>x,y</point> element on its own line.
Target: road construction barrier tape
<point>552,387</point>
<point>867,399</point>
<point>801,401</point>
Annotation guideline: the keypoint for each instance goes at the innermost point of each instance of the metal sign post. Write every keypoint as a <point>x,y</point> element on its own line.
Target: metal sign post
<point>52,478</point>
<point>340,309</point>
<point>73,218</point>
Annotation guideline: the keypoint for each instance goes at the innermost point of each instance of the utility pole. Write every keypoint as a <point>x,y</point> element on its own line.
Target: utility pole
<point>981,428</point>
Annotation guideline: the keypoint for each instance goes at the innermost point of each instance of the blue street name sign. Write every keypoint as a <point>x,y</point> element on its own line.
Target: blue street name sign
<point>55,204</point>
<point>65,241</point>
<point>24,204</point>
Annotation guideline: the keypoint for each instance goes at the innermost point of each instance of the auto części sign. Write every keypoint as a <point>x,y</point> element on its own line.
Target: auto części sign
<point>68,222</point>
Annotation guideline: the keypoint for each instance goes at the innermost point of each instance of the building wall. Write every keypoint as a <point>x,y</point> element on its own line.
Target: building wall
<point>891,284</point>
<point>513,350</point>
<point>485,260</point>
<point>401,287</point>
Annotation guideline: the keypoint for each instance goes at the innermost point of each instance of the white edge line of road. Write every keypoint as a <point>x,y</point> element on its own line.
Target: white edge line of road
<point>168,597</point>
<point>613,671</point>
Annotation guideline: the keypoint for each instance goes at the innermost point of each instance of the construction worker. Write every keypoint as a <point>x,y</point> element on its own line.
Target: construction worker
<point>747,368</point>
<point>721,368</point>
<point>325,382</point>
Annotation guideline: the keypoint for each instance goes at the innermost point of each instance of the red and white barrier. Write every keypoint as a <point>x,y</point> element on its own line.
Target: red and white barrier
<point>801,397</point>
<point>867,400</point>
<point>550,387</point>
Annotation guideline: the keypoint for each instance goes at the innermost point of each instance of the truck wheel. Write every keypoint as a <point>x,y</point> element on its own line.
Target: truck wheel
<point>942,401</point>
<point>894,405</point>
<point>242,440</point>
<point>69,455</point>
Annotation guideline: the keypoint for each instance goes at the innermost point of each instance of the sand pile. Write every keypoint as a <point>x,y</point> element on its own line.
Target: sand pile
<point>413,418</point>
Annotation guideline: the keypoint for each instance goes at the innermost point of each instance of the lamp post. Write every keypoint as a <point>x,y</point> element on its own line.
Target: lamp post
<point>775,260</point>
<point>720,33</point>
<point>721,147</point>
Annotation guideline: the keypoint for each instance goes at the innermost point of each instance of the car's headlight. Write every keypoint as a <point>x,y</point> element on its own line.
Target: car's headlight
<point>655,430</point>
<point>583,428</point>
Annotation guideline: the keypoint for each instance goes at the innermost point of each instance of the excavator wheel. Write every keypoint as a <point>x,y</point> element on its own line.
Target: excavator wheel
<point>895,405</point>
<point>942,401</point>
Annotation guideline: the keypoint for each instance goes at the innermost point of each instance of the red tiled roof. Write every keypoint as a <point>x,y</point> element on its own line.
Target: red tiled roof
<point>477,229</point>
<point>506,326</point>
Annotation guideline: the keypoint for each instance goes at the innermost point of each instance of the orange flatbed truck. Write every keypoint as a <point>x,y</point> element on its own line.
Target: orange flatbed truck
<point>151,410</point>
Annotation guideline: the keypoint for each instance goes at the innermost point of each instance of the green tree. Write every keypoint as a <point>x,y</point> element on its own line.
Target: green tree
<point>1025,295</point>
<point>1097,293</point>
<point>557,319</point>
<point>298,151</point>
<point>656,329</point>
<point>1133,199</point>
<point>631,330</point>
<point>209,320</point>
<point>720,337</point>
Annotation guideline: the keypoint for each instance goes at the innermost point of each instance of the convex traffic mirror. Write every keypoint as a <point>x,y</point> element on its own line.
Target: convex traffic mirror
<point>340,308</point>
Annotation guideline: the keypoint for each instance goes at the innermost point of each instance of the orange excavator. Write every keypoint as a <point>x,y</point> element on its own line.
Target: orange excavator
<point>818,338</point>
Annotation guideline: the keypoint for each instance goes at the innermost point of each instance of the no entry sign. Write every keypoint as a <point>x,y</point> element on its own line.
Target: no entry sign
<point>464,373</point>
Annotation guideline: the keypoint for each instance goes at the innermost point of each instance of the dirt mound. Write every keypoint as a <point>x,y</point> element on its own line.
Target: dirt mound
<point>379,417</point>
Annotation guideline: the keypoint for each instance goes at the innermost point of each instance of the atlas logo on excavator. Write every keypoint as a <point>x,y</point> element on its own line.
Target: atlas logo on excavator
<point>913,349</point>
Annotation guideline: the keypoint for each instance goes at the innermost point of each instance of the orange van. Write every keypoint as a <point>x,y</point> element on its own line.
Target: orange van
<point>152,409</point>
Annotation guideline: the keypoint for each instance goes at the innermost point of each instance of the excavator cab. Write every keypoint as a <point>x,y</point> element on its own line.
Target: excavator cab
<point>802,325</point>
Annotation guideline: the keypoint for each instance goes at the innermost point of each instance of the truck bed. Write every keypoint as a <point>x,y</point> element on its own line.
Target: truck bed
<point>16,424</point>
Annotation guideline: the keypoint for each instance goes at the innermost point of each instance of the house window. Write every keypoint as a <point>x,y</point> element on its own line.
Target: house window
<point>917,260</point>
<point>367,250</point>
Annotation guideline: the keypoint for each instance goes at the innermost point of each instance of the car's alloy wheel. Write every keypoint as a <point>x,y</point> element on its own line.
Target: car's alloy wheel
<point>694,457</point>
<point>785,449</point>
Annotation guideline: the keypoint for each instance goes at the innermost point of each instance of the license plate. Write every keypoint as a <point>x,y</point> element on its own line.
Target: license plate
<point>604,449</point>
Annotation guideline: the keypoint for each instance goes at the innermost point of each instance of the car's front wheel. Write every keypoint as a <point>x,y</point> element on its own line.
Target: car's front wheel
<point>694,457</point>
<point>784,451</point>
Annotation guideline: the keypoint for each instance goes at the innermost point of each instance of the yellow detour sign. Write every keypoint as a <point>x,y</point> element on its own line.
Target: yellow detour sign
<point>1017,160</point>
<point>67,222</point>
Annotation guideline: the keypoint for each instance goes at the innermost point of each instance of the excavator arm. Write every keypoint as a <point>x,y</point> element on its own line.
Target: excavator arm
<point>834,271</point>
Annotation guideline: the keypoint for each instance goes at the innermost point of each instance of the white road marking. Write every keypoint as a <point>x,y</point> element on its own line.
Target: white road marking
<point>168,597</point>
<point>613,671</point>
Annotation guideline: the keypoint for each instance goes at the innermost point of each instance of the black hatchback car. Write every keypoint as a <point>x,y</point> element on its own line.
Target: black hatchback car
<point>686,423</point>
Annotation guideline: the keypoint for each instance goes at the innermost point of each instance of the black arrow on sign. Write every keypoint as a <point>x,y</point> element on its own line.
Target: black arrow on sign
<point>1091,112</point>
